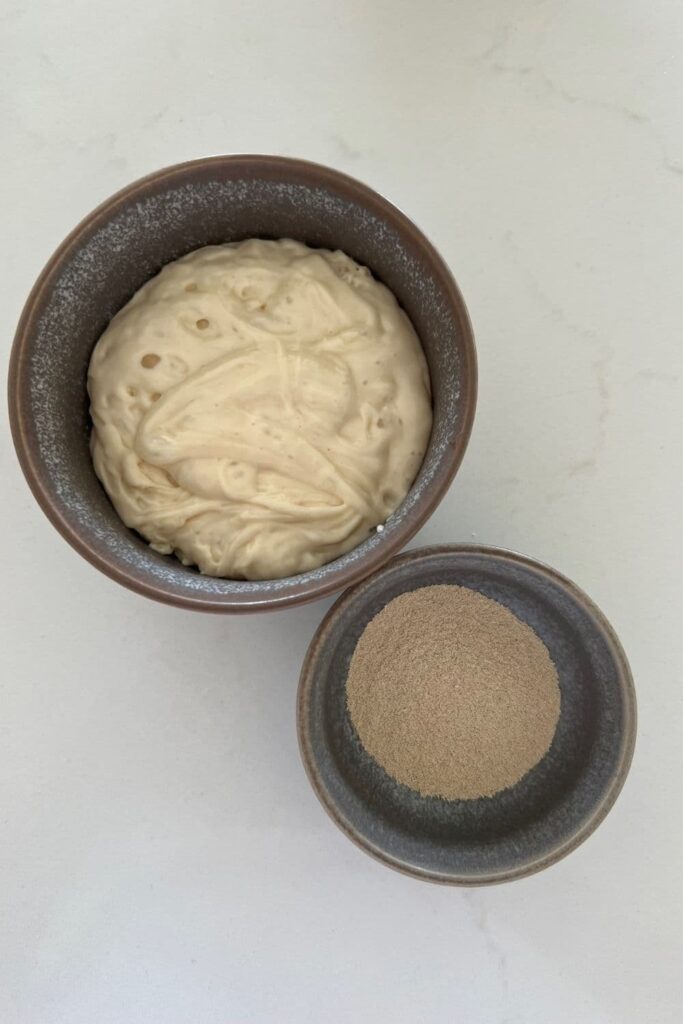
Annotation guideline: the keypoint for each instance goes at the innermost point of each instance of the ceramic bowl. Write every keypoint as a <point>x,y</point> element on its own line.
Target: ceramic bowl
<point>521,829</point>
<point>125,242</point>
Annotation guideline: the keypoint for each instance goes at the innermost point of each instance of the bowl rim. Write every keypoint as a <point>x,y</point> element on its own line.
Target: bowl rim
<point>624,684</point>
<point>19,376</point>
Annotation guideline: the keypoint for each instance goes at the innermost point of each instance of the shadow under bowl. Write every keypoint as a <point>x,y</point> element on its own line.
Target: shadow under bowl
<point>124,243</point>
<point>519,830</point>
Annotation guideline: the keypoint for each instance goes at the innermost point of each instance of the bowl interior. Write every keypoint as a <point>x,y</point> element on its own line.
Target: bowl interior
<point>124,243</point>
<point>522,828</point>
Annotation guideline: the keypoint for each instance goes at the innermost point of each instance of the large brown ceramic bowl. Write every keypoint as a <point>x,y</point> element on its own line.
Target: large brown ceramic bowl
<point>125,242</point>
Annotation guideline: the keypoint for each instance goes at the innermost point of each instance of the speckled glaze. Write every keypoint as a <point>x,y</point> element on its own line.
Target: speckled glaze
<point>519,830</point>
<point>125,242</point>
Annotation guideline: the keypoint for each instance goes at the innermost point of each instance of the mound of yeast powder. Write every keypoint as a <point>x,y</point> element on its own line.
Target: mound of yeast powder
<point>452,694</point>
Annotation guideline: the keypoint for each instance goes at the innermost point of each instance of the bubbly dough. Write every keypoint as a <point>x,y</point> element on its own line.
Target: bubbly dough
<point>259,408</point>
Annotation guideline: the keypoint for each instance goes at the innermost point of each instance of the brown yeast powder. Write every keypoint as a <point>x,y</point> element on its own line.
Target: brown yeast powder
<point>452,694</point>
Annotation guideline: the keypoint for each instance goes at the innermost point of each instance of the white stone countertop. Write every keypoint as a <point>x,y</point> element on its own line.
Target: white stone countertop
<point>162,857</point>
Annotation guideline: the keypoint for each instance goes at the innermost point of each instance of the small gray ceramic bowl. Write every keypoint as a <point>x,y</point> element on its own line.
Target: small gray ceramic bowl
<point>125,242</point>
<point>519,830</point>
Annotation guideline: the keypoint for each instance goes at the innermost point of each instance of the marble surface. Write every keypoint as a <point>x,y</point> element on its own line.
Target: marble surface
<point>162,858</point>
